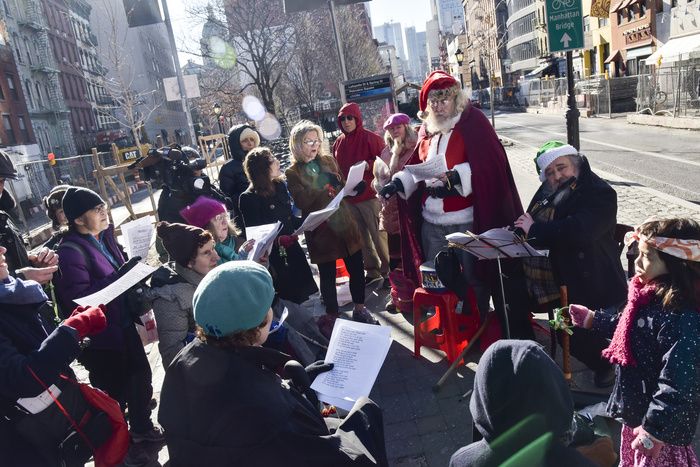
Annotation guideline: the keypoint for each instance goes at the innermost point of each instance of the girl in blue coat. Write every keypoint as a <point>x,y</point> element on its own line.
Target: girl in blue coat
<point>656,345</point>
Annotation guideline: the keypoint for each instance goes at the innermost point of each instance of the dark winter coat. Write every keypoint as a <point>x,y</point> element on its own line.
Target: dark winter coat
<point>293,278</point>
<point>81,275</point>
<point>232,179</point>
<point>516,379</point>
<point>339,236</point>
<point>228,407</point>
<point>10,235</point>
<point>662,392</point>
<point>28,339</point>
<point>580,239</point>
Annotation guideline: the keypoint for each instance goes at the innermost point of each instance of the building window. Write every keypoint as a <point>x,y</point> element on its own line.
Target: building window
<point>587,24</point>
<point>39,98</point>
<point>630,14</point>
<point>620,17</point>
<point>7,122</point>
<point>23,129</point>
<point>28,90</point>
<point>13,87</point>
<point>602,22</point>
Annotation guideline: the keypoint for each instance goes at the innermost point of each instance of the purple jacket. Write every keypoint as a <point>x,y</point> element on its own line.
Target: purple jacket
<point>79,276</point>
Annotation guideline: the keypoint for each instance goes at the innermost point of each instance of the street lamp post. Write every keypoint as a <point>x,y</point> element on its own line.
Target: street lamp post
<point>459,55</point>
<point>217,112</point>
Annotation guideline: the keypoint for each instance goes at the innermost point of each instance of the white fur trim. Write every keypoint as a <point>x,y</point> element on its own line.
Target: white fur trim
<point>553,154</point>
<point>465,176</point>
<point>409,185</point>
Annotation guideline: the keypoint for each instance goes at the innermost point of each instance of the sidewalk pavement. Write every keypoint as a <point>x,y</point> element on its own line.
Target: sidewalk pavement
<point>422,428</point>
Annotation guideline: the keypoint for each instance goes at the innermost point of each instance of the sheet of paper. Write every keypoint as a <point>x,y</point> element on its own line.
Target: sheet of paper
<point>317,218</point>
<point>263,245</point>
<point>357,351</point>
<point>428,169</point>
<point>257,232</point>
<point>355,176</point>
<point>494,243</point>
<point>36,404</point>
<point>138,236</point>
<point>118,287</point>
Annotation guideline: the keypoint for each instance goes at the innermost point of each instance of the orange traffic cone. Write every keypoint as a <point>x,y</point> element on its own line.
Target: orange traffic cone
<point>341,272</point>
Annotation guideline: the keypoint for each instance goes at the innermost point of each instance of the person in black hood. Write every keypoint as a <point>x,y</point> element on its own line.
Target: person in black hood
<point>515,380</point>
<point>232,180</point>
<point>38,267</point>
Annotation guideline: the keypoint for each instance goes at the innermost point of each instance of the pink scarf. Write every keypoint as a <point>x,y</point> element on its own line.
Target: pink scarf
<point>620,350</point>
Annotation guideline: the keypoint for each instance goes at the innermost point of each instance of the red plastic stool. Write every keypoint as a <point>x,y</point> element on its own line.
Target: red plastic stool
<point>341,272</point>
<point>446,330</point>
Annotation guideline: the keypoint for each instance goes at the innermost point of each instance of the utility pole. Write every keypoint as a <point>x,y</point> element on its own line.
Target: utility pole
<point>338,42</point>
<point>572,113</point>
<point>178,72</point>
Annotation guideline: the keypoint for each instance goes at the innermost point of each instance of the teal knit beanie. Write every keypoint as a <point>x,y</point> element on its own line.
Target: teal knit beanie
<point>233,297</point>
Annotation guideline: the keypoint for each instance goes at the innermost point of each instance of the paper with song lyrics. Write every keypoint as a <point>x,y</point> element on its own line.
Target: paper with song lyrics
<point>118,287</point>
<point>357,351</point>
<point>431,168</point>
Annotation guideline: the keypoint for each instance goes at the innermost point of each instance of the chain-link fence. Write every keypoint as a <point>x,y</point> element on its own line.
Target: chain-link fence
<point>671,91</point>
<point>596,95</point>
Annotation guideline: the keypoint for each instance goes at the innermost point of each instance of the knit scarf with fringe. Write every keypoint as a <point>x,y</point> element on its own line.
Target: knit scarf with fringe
<point>620,349</point>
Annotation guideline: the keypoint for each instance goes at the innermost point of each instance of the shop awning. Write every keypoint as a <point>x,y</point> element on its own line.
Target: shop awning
<point>639,52</point>
<point>676,49</point>
<point>613,56</point>
<point>538,71</point>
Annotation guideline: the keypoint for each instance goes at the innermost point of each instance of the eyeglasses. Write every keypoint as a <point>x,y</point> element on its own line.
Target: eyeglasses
<point>311,142</point>
<point>221,217</point>
<point>349,118</point>
<point>439,102</point>
<point>101,209</point>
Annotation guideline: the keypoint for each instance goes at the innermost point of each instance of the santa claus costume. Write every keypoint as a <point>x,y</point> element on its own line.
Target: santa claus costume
<point>483,198</point>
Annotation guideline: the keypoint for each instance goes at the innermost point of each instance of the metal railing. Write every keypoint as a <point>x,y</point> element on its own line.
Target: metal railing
<point>671,91</point>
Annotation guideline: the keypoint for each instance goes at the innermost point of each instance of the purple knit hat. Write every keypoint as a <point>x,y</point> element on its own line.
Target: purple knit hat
<point>202,211</point>
<point>397,119</point>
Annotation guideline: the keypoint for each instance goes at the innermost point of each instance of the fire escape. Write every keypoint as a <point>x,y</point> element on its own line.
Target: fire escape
<point>45,64</point>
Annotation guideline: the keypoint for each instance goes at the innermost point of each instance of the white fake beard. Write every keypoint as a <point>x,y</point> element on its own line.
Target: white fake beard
<point>436,125</point>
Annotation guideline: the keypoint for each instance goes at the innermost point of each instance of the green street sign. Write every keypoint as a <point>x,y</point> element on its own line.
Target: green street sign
<point>564,25</point>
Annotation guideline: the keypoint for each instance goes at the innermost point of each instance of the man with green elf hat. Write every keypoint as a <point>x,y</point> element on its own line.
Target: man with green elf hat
<point>574,215</point>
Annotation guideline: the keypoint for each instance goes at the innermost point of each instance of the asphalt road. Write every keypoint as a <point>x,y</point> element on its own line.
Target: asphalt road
<point>661,158</point>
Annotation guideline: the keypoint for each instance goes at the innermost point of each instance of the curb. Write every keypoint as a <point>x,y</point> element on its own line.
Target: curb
<point>616,178</point>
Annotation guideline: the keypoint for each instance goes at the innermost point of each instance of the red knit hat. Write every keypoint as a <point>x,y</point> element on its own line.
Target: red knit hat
<point>438,79</point>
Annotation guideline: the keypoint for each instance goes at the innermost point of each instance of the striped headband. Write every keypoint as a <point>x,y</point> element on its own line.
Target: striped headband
<point>686,249</point>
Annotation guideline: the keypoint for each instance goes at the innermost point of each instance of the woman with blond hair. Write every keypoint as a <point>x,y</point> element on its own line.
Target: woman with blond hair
<point>400,140</point>
<point>313,180</point>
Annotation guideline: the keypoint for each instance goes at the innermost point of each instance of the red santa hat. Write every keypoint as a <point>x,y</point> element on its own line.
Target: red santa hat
<point>438,79</point>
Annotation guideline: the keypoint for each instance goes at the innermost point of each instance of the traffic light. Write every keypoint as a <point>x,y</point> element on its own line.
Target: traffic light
<point>52,158</point>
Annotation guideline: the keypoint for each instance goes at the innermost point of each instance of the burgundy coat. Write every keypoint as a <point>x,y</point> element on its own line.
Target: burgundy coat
<point>495,196</point>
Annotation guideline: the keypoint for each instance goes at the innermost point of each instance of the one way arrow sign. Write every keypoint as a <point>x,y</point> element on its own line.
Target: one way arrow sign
<point>565,39</point>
